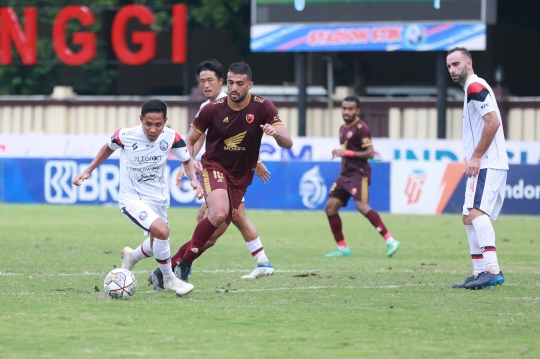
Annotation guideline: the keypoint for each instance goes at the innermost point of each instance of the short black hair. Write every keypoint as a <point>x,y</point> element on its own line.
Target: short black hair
<point>154,105</point>
<point>240,68</point>
<point>210,65</point>
<point>463,50</point>
<point>352,99</point>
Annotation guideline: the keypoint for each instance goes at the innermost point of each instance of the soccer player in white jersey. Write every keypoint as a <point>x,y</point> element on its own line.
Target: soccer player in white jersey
<point>210,77</point>
<point>144,193</point>
<point>486,169</point>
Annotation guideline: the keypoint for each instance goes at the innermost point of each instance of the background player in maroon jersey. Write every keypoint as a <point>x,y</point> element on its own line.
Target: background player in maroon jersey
<point>235,125</point>
<point>354,178</point>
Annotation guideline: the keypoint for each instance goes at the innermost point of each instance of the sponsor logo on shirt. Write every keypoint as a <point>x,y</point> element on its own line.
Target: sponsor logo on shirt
<point>148,159</point>
<point>163,145</point>
<point>145,177</point>
<point>226,119</point>
<point>219,100</point>
<point>484,106</point>
<point>250,117</point>
<point>258,99</point>
<point>231,143</point>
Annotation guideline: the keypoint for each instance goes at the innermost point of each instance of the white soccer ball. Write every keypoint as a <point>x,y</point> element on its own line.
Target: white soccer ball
<point>120,284</point>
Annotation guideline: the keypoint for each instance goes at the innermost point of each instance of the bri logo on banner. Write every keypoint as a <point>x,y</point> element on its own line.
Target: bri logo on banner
<point>413,188</point>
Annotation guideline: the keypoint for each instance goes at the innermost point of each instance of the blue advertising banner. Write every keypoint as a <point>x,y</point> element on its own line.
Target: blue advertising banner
<point>362,37</point>
<point>522,192</point>
<point>293,185</point>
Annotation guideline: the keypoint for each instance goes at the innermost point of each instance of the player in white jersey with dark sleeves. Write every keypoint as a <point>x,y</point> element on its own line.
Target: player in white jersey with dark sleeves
<point>486,169</point>
<point>210,77</point>
<point>144,193</point>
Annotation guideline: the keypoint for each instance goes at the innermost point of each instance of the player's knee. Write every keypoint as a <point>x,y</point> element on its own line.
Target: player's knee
<point>161,233</point>
<point>217,217</point>
<point>330,210</point>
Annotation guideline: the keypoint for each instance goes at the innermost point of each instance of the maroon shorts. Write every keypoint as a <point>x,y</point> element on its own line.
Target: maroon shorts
<point>347,186</point>
<point>214,179</point>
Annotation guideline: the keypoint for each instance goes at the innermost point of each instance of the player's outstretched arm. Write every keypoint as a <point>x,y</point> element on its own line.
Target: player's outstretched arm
<point>190,171</point>
<point>104,153</point>
<point>279,132</point>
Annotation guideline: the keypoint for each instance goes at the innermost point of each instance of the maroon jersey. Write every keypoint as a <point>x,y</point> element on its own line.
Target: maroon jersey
<point>234,137</point>
<point>356,137</point>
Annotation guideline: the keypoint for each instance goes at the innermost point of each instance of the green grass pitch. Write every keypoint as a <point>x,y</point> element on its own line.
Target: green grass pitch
<point>365,306</point>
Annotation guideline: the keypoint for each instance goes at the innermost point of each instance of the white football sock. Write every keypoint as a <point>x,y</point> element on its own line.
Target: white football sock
<point>162,253</point>
<point>486,239</point>
<point>476,253</point>
<point>143,251</point>
<point>257,251</point>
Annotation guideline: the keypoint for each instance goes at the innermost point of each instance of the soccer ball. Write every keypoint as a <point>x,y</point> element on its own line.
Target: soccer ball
<point>120,284</point>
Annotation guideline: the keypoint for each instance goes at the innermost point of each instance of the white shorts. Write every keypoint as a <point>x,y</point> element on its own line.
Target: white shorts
<point>143,214</point>
<point>485,192</point>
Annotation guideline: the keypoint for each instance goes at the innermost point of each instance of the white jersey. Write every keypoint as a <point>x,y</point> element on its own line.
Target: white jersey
<point>201,152</point>
<point>479,101</point>
<point>221,94</point>
<point>142,163</point>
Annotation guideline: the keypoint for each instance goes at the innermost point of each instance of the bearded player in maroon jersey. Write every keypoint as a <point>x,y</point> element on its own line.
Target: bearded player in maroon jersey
<point>354,178</point>
<point>235,125</point>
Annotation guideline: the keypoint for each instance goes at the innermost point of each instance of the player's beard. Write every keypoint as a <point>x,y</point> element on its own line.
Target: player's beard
<point>462,76</point>
<point>349,120</point>
<point>239,99</point>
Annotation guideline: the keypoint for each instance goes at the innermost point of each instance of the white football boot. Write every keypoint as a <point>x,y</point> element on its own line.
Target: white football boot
<point>181,288</point>
<point>127,259</point>
<point>260,271</point>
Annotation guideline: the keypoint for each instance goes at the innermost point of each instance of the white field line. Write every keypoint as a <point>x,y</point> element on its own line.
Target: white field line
<point>278,289</point>
<point>86,273</point>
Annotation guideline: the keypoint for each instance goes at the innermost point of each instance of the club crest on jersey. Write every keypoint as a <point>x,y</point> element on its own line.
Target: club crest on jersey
<point>143,215</point>
<point>250,118</point>
<point>349,134</point>
<point>163,145</point>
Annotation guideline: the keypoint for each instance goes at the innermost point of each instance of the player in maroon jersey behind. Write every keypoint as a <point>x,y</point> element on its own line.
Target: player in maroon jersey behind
<point>235,125</point>
<point>354,178</point>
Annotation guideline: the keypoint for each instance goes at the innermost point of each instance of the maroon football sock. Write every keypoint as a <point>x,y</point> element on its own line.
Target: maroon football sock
<point>203,232</point>
<point>377,222</point>
<point>178,256</point>
<point>335,226</point>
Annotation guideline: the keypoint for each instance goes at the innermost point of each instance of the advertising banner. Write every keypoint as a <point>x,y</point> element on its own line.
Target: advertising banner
<point>435,188</point>
<point>298,185</point>
<point>366,37</point>
<point>318,149</point>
